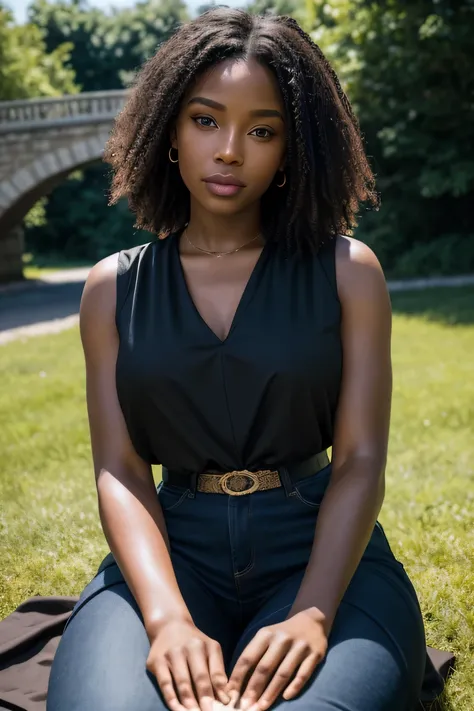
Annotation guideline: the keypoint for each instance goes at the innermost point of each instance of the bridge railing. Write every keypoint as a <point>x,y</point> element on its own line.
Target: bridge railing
<point>25,114</point>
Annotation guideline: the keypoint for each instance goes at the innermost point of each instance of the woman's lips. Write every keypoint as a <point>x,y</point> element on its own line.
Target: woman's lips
<point>222,189</point>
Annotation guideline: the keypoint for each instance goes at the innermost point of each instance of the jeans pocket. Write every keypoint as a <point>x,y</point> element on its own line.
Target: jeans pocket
<point>311,490</point>
<point>171,497</point>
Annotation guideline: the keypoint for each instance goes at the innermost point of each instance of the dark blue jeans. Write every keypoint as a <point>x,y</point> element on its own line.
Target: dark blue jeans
<point>239,561</point>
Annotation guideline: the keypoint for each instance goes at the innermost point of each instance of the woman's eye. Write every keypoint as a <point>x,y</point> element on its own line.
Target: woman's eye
<point>269,133</point>
<point>203,118</point>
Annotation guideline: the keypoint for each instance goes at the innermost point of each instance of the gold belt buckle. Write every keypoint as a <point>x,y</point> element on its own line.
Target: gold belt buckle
<point>240,478</point>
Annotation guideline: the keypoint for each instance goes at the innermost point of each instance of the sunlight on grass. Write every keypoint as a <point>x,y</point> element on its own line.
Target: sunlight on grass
<point>36,272</point>
<point>51,539</point>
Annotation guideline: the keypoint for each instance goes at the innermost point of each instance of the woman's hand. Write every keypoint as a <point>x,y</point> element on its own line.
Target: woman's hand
<point>283,657</point>
<point>180,656</point>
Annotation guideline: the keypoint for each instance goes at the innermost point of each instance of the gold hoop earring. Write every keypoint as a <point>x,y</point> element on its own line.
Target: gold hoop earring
<point>169,156</point>
<point>284,181</point>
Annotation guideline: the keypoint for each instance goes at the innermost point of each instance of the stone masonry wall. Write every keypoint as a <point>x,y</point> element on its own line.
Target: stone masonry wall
<point>30,159</point>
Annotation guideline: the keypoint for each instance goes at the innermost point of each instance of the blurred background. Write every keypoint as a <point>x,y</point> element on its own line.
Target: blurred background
<point>408,69</point>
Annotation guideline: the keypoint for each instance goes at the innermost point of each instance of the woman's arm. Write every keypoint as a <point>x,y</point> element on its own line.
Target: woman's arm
<point>356,489</point>
<point>129,509</point>
<point>132,517</point>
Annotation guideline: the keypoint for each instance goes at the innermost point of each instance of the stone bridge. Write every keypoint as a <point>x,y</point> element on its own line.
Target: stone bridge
<point>41,142</point>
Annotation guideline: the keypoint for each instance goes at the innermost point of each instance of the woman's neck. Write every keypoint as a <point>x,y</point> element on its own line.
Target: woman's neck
<point>223,232</point>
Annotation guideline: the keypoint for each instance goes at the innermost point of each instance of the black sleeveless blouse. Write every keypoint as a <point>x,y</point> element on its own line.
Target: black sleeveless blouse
<point>264,397</point>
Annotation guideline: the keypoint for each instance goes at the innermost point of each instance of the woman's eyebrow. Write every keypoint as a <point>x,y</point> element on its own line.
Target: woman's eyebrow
<point>220,107</point>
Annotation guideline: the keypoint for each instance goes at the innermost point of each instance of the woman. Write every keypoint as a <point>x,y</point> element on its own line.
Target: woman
<point>235,350</point>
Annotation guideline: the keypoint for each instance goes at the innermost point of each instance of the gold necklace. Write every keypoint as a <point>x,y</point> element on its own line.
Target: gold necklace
<point>219,254</point>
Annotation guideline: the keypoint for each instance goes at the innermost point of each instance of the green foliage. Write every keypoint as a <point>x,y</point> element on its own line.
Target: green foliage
<point>27,68</point>
<point>107,50</point>
<point>293,8</point>
<point>36,217</point>
<point>408,69</point>
<point>87,230</point>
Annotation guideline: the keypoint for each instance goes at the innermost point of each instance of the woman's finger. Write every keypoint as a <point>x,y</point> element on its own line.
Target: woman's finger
<point>283,675</point>
<point>217,671</point>
<point>199,668</point>
<point>182,680</point>
<point>249,658</point>
<point>265,669</point>
<point>302,675</point>
<point>165,682</point>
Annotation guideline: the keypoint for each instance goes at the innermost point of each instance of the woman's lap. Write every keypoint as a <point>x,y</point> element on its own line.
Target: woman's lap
<point>376,650</point>
<point>375,658</point>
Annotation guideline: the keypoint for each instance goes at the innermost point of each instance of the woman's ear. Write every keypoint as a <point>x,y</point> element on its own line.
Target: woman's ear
<point>173,138</point>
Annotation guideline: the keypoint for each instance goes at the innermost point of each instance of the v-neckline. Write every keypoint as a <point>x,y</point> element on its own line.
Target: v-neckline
<point>243,301</point>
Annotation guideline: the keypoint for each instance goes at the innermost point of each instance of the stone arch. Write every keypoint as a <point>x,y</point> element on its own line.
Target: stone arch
<point>19,192</point>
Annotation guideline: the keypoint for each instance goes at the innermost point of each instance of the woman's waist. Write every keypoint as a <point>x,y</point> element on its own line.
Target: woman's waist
<point>239,482</point>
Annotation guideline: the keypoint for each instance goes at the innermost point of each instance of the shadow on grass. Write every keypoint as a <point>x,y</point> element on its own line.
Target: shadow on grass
<point>448,305</point>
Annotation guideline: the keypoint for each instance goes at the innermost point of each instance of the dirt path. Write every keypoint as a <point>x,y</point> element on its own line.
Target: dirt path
<point>39,307</point>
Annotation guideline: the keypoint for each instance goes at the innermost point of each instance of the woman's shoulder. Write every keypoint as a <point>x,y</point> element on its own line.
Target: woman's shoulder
<point>131,255</point>
<point>358,270</point>
<point>104,279</point>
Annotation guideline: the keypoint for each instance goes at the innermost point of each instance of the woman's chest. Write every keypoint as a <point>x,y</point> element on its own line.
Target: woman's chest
<point>275,338</point>
<point>213,289</point>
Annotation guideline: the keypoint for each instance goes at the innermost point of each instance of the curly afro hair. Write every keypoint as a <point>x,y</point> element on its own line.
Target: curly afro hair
<point>328,174</point>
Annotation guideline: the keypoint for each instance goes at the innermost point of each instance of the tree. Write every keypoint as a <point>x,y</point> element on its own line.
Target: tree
<point>293,8</point>
<point>27,69</point>
<point>408,68</point>
<point>107,50</point>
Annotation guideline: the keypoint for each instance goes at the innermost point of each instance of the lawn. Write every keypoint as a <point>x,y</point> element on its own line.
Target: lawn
<point>35,267</point>
<point>51,540</point>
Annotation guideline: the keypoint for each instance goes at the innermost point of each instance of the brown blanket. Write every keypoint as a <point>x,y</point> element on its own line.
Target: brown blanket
<point>29,637</point>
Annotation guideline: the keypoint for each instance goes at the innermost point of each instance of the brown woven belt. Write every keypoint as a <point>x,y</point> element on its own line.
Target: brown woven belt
<point>243,481</point>
<point>238,483</point>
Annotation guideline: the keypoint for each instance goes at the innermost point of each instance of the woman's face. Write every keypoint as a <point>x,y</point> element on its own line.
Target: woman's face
<point>231,122</point>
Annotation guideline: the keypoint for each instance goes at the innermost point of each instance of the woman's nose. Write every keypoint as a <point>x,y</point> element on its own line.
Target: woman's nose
<point>230,148</point>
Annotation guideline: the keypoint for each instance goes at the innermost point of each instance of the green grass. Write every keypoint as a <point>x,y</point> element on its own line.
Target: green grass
<point>51,540</point>
<point>34,267</point>
<point>37,272</point>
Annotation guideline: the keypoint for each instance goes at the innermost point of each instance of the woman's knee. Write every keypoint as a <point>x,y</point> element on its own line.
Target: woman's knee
<point>100,662</point>
<point>360,672</point>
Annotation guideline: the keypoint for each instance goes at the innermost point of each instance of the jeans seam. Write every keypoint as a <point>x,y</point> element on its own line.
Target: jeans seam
<point>231,540</point>
<point>305,501</point>
<point>251,563</point>
<point>177,503</point>
<point>248,568</point>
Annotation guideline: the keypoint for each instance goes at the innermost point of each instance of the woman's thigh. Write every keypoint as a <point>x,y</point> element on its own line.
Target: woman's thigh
<point>376,650</point>
<point>100,662</point>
